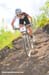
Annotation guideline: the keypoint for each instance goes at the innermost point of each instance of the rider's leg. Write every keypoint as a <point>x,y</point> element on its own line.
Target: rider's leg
<point>29,30</point>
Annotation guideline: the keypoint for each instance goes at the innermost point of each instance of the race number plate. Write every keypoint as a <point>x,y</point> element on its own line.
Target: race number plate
<point>23,29</point>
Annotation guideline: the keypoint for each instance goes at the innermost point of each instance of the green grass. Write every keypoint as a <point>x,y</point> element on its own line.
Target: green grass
<point>6,38</point>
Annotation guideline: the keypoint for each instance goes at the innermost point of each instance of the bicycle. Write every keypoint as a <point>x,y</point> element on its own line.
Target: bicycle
<point>28,43</point>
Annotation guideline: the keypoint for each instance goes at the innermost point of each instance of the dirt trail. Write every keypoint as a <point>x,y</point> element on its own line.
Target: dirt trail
<point>37,64</point>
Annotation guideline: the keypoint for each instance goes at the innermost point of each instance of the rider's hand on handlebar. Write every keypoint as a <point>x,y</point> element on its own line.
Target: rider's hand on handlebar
<point>13,28</point>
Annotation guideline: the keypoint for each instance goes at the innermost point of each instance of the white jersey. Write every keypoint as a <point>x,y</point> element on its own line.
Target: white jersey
<point>16,23</point>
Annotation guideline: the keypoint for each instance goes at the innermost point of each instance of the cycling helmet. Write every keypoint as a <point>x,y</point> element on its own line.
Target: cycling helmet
<point>18,11</point>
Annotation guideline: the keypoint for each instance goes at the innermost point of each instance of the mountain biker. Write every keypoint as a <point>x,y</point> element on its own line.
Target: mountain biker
<point>24,19</point>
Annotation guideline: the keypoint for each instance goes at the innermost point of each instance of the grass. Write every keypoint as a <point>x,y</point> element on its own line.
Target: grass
<point>6,38</point>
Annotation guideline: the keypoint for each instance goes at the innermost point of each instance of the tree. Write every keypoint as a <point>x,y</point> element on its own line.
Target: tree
<point>43,18</point>
<point>45,8</point>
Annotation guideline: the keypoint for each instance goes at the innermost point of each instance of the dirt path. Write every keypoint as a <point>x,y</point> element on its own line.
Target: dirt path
<point>37,64</point>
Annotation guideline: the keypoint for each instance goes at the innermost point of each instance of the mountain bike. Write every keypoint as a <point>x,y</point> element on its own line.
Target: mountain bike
<point>27,40</point>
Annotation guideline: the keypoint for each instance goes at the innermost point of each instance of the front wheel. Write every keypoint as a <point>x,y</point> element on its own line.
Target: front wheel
<point>26,44</point>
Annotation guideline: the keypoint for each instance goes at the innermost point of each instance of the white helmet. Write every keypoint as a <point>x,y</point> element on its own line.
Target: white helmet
<point>18,11</point>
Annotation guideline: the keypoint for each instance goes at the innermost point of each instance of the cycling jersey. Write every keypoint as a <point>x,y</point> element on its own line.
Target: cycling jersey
<point>24,20</point>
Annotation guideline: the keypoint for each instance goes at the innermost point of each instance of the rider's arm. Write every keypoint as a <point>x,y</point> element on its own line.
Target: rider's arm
<point>12,23</point>
<point>30,18</point>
